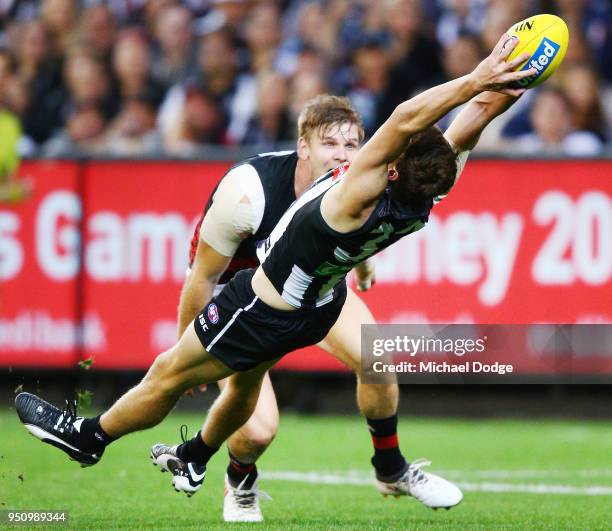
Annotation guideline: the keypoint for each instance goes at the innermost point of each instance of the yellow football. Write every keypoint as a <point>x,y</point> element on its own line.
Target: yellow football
<point>545,38</point>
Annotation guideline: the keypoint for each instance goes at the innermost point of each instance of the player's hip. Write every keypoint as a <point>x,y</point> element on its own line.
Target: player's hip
<point>243,331</point>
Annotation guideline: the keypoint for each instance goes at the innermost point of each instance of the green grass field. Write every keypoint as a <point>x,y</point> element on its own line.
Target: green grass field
<point>499,464</point>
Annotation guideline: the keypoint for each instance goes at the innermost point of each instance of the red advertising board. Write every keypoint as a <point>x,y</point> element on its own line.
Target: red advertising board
<point>514,242</point>
<point>38,265</point>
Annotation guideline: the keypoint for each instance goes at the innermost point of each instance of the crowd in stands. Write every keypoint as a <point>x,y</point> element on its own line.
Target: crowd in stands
<point>168,78</point>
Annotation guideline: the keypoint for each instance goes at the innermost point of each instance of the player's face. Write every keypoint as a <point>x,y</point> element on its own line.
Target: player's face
<point>335,145</point>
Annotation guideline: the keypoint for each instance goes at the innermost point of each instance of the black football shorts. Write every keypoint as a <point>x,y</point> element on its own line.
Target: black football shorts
<point>240,330</point>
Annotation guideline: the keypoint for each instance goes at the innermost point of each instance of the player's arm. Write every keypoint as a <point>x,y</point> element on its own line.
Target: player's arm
<point>200,283</point>
<point>367,177</point>
<point>231,217</point>
<point>466,128</point>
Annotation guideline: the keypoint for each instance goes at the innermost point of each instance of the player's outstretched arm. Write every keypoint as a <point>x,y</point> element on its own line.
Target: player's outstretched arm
<point>466,128</point>
<point>368,176</point>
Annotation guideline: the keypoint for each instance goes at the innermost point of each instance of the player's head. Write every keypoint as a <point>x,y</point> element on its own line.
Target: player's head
<point>426,169</point>
<point>330,131</point>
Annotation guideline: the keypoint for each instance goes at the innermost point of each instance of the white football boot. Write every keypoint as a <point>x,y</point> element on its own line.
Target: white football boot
<point>242,505</point>
<point>431,490</point>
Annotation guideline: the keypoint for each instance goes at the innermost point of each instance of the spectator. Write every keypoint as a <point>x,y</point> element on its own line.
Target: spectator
<point>198,122</point>
<point>60,18</point>
<point>132,68</point>
<point>309,61</point>
<point>83,135</point>
<point>125,12</point>
<point>235,91</point>
<point>174,58</point>
<point>580,84</point>
<point>88,85</point>
<point>271,125</point>
<point>315,31</point>
<point>218,76</point>
<point>231,13</point>
<point>415,57</point>
<point>304,86</point>
<point>460,58</point>
<point>132,132</point>
<point>379,52</point>
<point>371,77</point>
<point>592,20</point>
<point>98,31</point>
<point>460,17</point>
<point>41,74</point>
<point>263,35</point>
<point>499,17</point>
<point>554,132</point>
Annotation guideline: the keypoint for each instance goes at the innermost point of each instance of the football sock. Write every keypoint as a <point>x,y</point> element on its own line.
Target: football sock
<point>388,460</point>
<point>195,450</point>
<point>238,471</point>
<point>94,438</point>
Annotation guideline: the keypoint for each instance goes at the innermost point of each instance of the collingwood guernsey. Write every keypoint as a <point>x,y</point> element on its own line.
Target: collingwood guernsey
<point>307,261</point>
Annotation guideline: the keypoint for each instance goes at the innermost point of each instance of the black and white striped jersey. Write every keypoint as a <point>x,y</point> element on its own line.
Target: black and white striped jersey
<point>307,261</point>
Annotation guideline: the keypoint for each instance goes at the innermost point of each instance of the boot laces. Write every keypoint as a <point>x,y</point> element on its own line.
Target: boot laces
<point>415,474</point>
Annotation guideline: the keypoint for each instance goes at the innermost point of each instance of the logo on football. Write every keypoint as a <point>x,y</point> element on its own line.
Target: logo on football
<point>540,60</point>
<point>213,313</point>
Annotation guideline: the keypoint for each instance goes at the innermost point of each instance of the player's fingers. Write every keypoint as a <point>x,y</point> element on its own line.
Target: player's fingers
<point>202,387</point>
<point>513,92</point>
<point>508,45</point>
<point>521,74</point>
<point>518,60</point>
<point>500,44</point>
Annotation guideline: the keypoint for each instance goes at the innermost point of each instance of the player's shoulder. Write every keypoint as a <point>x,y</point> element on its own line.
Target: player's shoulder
<point>275,164</point>
<point>264,165</point>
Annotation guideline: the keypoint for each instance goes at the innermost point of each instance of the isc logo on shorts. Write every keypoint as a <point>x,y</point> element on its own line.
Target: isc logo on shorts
<point>213,313</point>
<point>540,60</point>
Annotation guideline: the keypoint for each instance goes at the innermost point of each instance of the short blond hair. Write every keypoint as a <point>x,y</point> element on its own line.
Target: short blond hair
<point>324,111</point>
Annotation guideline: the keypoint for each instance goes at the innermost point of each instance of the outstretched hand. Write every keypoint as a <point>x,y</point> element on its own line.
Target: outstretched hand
<point>496,74</point>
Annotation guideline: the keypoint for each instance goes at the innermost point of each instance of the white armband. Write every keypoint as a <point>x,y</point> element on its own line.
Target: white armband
<point>236,211</point>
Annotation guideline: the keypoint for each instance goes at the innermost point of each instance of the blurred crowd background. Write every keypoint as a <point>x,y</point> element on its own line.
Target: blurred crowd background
<point>167,78</point>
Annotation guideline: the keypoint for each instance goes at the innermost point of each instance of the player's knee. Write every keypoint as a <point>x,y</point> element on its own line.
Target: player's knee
<point>260,438</point>
<point>350,357</point>
<point>160,368</point>
<point>163,377</point>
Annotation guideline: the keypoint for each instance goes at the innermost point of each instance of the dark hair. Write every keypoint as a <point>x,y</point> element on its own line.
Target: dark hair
<point>426,169</point>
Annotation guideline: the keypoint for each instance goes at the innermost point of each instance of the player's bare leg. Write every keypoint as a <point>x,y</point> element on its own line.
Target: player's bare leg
<point>245,446</point>
<point>84,439</point>
<point>235,404</point>
<point>233,407</point>
<point>249,442</point>
<point>183,366</point>
<point>378,403</point>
